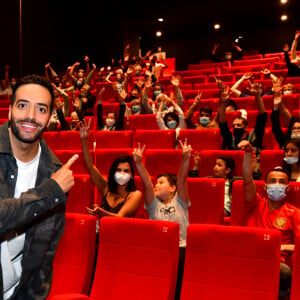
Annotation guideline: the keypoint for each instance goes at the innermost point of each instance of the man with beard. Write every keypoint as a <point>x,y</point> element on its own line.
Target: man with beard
<point>255,137</point>
<point>33,184</point>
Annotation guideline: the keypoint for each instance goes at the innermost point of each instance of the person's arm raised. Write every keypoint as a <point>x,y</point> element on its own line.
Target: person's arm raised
<point>144,175</point>
<point>249,185</point>
<point>97,178</point>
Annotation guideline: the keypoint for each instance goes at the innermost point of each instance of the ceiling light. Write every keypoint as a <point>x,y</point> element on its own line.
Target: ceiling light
<point>158,33</point>
<point>284,17</point>
<point>160,19</point>
<point>283,1</point>
<point>217,26</point>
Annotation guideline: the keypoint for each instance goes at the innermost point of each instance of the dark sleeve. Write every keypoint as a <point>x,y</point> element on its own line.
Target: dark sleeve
<point>276,128</point>
<point>259,129</point>
<point>215,58</point>
<point>239,55</point>
<point>120,121</point>
<point>100,116</point>
<point>293,70</point>
<point>17,212</point>
<point>227,136</point>
<point>62,120</point>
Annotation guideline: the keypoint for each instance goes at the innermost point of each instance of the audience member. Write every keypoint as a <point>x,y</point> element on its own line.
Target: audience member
<point>272,212</point>
<point>291,159</point>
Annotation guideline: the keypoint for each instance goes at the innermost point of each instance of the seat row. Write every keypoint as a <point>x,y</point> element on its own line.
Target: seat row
<point>138,259</point>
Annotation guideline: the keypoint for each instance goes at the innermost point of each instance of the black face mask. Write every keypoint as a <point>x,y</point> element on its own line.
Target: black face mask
<point>133,97</point>
<point>238,132</point>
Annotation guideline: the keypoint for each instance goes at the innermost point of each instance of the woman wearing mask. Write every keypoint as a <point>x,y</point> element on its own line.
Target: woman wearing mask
<point>291,159</point>
<point>120,197</point>
<point>112,122</point>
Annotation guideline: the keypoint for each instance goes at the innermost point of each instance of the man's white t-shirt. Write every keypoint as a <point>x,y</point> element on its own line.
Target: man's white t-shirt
<point>11,250</point>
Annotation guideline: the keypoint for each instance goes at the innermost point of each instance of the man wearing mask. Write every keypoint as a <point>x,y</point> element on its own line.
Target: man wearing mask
<point>255,137</point>
<point>205,116</point>
<point>272,212</point>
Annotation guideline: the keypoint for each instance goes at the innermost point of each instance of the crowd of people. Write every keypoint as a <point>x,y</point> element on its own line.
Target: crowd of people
<point>34,182</point>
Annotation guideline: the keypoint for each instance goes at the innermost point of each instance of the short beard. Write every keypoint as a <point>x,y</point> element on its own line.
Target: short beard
<point>17,134</point>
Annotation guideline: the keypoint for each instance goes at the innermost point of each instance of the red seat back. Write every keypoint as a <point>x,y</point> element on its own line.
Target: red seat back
<point>222,262</point>
<point>155,139</point>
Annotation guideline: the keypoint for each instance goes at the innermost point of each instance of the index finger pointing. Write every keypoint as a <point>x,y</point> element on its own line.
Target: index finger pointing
<point>71,160</point>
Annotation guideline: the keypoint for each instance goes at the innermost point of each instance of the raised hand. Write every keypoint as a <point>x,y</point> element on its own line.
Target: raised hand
<point>219,83</point>
<point>86,58</point>
<point>254,88</point>
<point>246,146</point>
<point>225,94</point>
<point>285,47</point>
<point>198,99</point>
<point>176,80</point>
<point>64,176</point>
<point>277,101</point>
<point>94,66</point>
<point>297,34</point>
<point>47,65</point>
<point>265,71</point>
<point>247,76</point>
<point>186,149</point>
<point>84,129</point>
<point>138,153</point>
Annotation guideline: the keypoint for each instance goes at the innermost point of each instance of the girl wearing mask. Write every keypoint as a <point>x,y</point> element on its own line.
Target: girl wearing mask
<point>291,159</point>
<point>120,197</point>
<point>171,120</point>
<point>112,122</point>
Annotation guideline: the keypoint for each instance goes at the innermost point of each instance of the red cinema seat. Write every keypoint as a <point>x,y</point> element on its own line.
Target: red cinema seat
<point>155,139</point>
<point>3,121</point>
<point>202,139</point>
<point>105,157</point>
<point>249,62</point>
<point>142,122</point>
<point>295,289</point>
<point>212,103</point>
<point>194,79</point>
<point>162,161</point>
<point>210,71</point>
<point>208,160</point>
<point>231,263</point>
<point>137,259</point>
<point>109,94</point>
<point>208,65</point>
<point>224,77</point>
<point>52,139</point>
<point>269,159</point>
<point>113,139</point>
<point>70,140</point>
<point>269,142</point>
<point>207,206</point>
<point>257,75</point>
<point>78,167</point>
<point>205,86</point>
<point>252,115</point>
<point>4,113</point>
<point>253,56</point>
<point>81,195</point>
<point>206,94</point>
<point>74,258</point>
<point>238,210</point>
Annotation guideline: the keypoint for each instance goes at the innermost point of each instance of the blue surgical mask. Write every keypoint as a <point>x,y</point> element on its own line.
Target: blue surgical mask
<point>291,160</point>
<point>156,93</point>
<point>204,121</point>
<point>135,108</point>
<point>172,124</point>
<point>276,191</point>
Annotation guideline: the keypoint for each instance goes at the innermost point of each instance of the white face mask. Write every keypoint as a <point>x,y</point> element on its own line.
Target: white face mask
<point>291,160</point>
<point>276,191</point>
<point>295,135</point>
<point>121,178</point>
<point>110,122</point>
<point>287,92</point>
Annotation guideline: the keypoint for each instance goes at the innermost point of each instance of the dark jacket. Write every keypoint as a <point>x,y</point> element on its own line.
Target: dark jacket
<point>40,212</point>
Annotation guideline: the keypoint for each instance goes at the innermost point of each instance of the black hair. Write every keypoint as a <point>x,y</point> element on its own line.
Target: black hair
<point>291,124</point>
<point>112,112</point>
<point>160,85</point>
<point>112,184</point>
<point>172,178</point>
<point>231,102</point>
<point>173,116</point>
<point>34,79</point>
<point>277,169</point>
<point>206,109</point>
<point>229,163</point>
<point>287,167</point>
